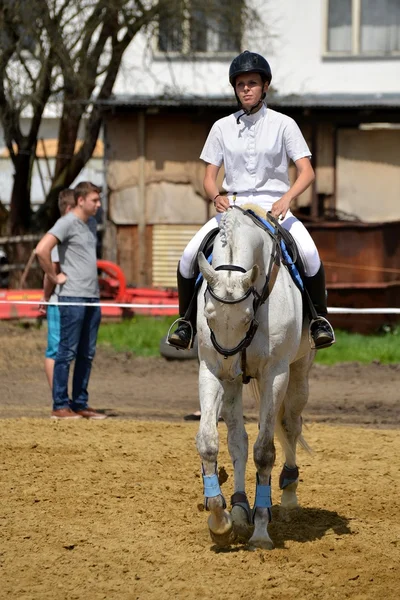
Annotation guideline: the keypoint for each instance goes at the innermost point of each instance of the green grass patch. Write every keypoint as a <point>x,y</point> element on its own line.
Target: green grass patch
<point>141,335</point>
<point>354,347</point>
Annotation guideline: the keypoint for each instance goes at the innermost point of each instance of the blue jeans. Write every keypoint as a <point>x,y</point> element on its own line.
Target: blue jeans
<point>78,335</point>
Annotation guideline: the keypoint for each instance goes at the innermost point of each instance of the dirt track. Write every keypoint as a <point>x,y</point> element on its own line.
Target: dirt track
<point>131,387</point>
<point>113,509</point>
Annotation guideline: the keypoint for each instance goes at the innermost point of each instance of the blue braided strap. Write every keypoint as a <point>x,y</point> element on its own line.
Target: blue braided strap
<point>263,496</point>
<point>211,486</point>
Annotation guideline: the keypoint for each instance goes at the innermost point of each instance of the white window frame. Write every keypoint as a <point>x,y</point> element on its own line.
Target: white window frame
<point>355,51</point>
<point>186,51</point>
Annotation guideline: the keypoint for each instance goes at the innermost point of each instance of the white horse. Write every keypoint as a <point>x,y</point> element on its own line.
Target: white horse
<point>250,325</point>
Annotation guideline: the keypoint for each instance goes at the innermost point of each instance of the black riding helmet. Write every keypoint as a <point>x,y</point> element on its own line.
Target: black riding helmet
<point>249,62</point>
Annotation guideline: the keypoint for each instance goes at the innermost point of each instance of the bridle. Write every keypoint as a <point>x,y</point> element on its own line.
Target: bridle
<point>258,300</point>
<point>246,341</point>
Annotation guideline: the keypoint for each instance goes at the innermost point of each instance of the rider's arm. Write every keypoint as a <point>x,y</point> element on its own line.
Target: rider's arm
<point>305,177</point>
<point>221,203</point>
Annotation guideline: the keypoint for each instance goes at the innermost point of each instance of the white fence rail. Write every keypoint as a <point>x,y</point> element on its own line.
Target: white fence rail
<point>332,310</point>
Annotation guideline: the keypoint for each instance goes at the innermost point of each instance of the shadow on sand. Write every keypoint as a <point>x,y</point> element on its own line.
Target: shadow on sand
<point>299,525</point>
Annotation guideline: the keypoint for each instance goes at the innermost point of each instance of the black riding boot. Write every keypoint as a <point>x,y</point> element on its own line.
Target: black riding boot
<point>321,330</point>
<point>183,336</point>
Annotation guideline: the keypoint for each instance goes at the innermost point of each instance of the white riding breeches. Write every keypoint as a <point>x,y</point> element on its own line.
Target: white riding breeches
<point>305,244</point>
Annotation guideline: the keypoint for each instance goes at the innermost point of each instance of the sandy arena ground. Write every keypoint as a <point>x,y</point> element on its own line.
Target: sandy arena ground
<point>113,509</point>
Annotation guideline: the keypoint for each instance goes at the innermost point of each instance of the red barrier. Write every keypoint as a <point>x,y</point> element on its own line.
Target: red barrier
<point>113,288</point>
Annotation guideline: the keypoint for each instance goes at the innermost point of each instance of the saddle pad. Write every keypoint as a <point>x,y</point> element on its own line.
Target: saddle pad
<point>288,261</point>
<point>287,258</point>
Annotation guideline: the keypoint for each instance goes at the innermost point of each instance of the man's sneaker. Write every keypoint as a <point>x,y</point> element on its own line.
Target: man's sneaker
<point>90,413</point>
<point>182,336</point>
<point>64,414</point>
<point>322,333</point>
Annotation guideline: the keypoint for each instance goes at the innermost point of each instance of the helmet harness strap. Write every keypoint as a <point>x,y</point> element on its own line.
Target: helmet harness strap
<point>249,112</point>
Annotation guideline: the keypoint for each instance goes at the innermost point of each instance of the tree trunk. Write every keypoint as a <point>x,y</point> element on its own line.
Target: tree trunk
<point>20,208</point>
<point>67,136</point>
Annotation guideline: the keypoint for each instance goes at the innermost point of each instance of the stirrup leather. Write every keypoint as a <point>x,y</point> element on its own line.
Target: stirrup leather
<point>181,320</point>
<point>311,339</point>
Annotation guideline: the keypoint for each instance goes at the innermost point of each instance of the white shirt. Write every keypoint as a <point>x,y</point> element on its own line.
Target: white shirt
<point>255,154</point>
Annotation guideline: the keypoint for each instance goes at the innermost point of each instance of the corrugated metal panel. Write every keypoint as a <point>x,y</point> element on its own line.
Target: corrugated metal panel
<point>169,241</point>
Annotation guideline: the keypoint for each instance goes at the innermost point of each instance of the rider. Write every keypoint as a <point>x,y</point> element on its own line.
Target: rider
<point>255,145</point>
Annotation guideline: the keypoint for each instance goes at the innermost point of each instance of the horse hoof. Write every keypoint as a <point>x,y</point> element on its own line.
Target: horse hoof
<point>289,497</point>
<point>261,543</point>
<point>243,530</point>
<point>223,540</point>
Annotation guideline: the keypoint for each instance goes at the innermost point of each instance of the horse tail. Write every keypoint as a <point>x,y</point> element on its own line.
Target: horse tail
<point>255,391</point>
<point>279,429</point>
<point>282,437</point>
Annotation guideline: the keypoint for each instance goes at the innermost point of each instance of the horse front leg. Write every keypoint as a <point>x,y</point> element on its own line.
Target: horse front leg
<point>211,393</point>
<point>232,412</point>
<point>273,386</point>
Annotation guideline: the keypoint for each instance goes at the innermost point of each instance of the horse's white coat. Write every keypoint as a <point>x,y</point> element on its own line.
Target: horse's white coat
<point>278,358</point>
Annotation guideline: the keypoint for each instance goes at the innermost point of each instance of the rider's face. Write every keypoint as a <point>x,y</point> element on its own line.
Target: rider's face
<point>249,88</point>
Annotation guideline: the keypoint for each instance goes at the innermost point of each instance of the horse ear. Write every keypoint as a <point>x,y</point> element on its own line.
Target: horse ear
<point>206,269</point>
<point>250,277</point>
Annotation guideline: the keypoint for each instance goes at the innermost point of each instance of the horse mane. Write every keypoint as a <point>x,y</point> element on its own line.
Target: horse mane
<point>227,225</point>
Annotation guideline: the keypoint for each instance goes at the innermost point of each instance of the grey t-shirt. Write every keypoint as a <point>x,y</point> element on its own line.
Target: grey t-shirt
<point>77,252</point>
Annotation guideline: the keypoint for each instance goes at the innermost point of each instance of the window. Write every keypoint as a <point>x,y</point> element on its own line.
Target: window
<point>200,26</point>
<point>363,27</point>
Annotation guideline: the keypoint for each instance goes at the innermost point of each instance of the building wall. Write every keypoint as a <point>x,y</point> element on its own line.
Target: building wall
<point>292,37</point>
<point>173,172</point>
<point>368,174</point>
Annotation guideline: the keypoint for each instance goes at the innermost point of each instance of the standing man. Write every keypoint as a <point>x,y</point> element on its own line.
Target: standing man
<point>75,234</point>
<point>66,202</point>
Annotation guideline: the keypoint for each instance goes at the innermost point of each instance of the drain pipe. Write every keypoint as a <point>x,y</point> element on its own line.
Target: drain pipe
<point>142,217</point>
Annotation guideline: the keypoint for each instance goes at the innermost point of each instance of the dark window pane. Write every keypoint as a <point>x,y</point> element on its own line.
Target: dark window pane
<point>339,26</point>
<point>170,30</point>
<point>380,26</point>
<point>215,26</point>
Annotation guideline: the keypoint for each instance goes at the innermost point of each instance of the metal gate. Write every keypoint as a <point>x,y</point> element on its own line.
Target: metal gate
<point>169,241</point>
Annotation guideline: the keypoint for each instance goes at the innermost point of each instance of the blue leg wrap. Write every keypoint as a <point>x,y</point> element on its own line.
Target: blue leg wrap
<point>212,489</point>
<point>211,486</point>
<point>263,497</point>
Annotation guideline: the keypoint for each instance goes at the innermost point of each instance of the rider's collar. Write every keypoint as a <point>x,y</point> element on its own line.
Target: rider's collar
<point>255,116</point>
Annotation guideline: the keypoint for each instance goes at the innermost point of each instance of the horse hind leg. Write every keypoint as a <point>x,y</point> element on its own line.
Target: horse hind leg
<point>288,430</point>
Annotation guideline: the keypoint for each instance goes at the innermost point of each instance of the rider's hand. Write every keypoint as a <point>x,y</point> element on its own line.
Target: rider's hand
<point>221,203</point>
<point>280,207</point>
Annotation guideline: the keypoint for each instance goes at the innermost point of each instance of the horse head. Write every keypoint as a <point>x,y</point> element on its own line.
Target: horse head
<point>229,312</point>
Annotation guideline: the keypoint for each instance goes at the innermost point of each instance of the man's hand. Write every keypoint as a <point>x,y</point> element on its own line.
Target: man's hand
<point>221,204</point>
<point>280,207</point>
<point>43,307</point>
<point>60,279</point>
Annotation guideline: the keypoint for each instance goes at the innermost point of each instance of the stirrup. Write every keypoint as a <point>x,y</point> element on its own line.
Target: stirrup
<point>181,320</point>
<point>311,339</point>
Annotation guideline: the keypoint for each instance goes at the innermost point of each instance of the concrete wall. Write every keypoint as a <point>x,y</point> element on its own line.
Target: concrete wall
<point>291,34</point>
<point>368,174</point>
